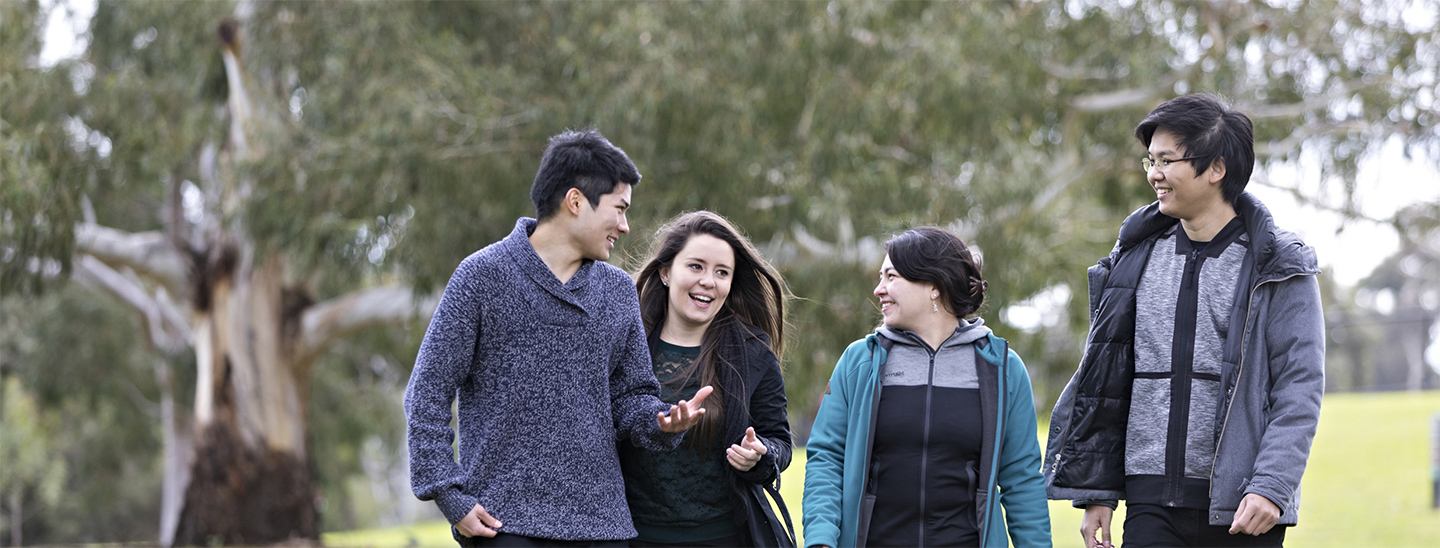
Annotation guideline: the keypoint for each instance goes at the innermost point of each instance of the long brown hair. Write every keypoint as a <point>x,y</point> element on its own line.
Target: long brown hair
<point>757,298</point>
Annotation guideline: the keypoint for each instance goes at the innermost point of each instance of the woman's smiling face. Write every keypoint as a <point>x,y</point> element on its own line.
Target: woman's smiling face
<point>903,302</point>
<point>699,281</point>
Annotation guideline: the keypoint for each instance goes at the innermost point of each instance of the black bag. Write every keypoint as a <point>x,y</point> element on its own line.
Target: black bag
<point>764,526</point>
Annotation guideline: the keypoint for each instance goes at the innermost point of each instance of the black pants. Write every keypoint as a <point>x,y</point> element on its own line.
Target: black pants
<point>1154,525</point>
<point>727,542</point>
<point>517,541</point>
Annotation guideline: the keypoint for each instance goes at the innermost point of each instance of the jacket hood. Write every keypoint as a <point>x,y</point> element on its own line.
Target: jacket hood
<point>968,332</point>
<point>1278,253</point>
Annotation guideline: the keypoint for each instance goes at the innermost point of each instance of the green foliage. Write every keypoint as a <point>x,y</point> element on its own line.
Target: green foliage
<point>36,209</point>
<point>356,393</point>
<point>392,140</point>
<point>26,446</point>
<point>96,387</point>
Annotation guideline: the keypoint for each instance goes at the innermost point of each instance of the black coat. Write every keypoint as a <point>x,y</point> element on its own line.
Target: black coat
<point>754,392</point>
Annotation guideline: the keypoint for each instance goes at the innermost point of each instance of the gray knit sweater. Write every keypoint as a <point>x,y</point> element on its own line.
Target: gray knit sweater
<point>548,377</point>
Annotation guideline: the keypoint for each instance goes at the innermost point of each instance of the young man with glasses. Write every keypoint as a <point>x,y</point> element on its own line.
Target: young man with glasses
<point>1199,393</point>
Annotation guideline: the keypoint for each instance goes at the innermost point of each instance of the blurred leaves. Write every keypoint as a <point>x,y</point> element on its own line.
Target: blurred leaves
<point>398,138</point>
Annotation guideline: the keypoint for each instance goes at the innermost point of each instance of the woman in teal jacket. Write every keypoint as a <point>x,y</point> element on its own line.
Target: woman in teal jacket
<point>927,428</point>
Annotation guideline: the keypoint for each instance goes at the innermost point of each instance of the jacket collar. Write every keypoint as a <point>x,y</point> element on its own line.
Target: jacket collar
<point>1278,253</point>
<point>967,332</point>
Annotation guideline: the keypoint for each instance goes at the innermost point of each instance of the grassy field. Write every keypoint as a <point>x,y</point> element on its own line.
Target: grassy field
<point>1368,483</point>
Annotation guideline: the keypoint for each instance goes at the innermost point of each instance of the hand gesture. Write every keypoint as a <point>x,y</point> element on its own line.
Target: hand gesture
<point>744,455</point>
<point>684,414</point>
<point>477,523</point>
<point>1097,516</point>
<point>1255,516</point>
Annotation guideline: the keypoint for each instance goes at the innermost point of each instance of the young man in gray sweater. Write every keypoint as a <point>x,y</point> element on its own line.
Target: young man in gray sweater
<point>1199,393</point>
<point>541,343</point>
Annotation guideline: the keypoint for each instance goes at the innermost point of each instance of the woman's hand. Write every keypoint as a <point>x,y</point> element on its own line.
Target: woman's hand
<point>745,454</point>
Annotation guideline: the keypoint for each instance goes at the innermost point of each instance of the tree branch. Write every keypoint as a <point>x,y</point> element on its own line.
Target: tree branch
<point>148,253</point>
<point>325,323</point>
<point>163,321</point>
<point>1115,100</point>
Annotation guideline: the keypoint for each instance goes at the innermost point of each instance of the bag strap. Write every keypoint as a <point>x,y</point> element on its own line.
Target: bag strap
<point>784,512</point>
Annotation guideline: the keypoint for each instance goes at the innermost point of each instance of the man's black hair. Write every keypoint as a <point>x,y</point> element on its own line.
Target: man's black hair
<point>583,160</point>
<point>1207,129</point>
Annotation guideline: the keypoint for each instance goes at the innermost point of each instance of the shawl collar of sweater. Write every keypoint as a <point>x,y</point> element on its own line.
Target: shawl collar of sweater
<point>517,246</point>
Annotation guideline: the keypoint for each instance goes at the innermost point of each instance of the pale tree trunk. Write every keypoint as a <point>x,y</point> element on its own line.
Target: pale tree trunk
<point>245,476</point>
<point>177,439</point>
<point>238,471</point>
<point>1413,333</point>
<point>251,481</point>
<point>1412,337</point>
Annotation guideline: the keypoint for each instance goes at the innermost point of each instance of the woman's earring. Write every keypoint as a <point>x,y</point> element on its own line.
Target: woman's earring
<point>664,283</point>
<point>933,307</point>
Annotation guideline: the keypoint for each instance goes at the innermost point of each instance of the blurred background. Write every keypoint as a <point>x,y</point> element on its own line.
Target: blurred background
<point>223,225</point>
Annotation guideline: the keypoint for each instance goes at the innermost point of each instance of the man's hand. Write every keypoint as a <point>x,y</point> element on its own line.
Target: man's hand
<point>477,523</point>
<point>684,414</point>
<point>1097,516</point>
<point>744,455</point>
<point>1255,516</point>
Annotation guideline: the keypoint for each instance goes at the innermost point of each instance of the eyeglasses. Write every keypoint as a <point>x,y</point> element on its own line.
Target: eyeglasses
<point>1148,164</point>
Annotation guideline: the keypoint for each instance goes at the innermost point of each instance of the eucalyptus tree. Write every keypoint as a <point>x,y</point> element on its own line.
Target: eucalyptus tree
<point>266,178</point>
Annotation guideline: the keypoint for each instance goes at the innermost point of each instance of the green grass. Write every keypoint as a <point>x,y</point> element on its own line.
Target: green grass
<point>1368,483</point>
<point>423,534</point>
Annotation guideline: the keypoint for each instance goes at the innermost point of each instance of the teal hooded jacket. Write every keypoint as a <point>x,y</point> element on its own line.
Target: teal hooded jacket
<point>838,453</point>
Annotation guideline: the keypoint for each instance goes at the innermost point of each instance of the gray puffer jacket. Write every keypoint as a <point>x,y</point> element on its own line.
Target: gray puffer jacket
<point>1273,375</point>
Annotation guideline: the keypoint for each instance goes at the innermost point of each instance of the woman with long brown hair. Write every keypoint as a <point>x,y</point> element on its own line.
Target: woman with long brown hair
<point>713,311</point>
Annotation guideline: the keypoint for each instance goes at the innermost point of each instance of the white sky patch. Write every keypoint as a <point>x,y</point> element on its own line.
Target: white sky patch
<point>192,201</point>
<point>1419,16</point>
<point>1385,183</point>
<point>1040,311</point>
<point>66,29</point>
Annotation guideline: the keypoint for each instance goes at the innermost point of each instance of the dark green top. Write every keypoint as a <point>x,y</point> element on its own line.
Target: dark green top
<point>677,496</point>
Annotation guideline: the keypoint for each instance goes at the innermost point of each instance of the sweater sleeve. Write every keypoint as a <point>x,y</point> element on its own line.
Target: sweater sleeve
<point>442,364</point>
<point>1022,487</point>
<point>1296,345</point>
<point>634,392</point>
<point>772,425</point>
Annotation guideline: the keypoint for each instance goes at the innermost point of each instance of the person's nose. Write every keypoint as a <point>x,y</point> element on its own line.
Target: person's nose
<point>624,225</point>
<point>1155,174</point>
<point>879,289</point>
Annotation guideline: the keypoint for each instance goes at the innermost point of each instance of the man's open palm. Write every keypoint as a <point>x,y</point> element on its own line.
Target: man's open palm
<point>685,414</point>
